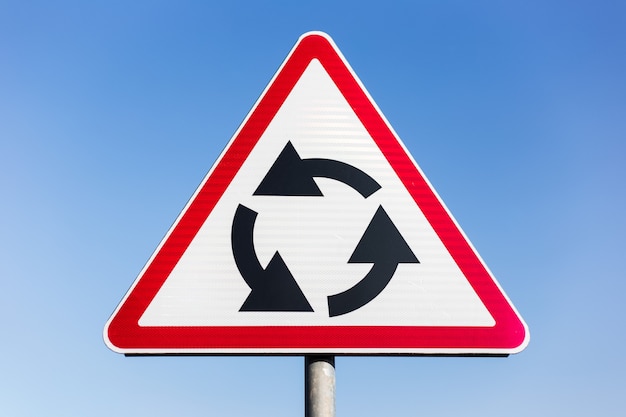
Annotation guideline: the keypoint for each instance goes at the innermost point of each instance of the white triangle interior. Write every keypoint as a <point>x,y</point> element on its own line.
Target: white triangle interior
<point>316,235</point>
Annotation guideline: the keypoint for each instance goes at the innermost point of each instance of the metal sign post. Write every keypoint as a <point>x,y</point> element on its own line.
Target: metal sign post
<point>319,386</point>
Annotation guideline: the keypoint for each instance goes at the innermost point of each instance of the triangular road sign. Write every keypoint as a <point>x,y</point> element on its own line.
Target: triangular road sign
<point>315,232</point>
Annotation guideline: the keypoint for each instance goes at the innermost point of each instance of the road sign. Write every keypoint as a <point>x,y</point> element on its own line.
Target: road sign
<point>315,232</point>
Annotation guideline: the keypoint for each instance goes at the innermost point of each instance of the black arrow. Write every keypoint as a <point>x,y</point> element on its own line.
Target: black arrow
<point>293,176</point>
<point>383,245</point>
<point>273,288</point>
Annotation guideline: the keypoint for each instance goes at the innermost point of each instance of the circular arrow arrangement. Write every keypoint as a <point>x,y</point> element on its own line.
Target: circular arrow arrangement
<point>274,288</point>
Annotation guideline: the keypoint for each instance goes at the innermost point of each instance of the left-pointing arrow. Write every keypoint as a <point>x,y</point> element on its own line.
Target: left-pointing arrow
<point>293,176</point>
<point>272,288</point>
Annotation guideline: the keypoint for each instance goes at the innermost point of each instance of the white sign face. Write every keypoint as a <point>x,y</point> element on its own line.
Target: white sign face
<point>315,231</point>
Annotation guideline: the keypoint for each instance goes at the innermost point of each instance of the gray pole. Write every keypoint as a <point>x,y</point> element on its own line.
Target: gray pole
<point>319,384</point>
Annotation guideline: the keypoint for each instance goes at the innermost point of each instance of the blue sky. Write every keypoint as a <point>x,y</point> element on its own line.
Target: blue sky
<point>111,114</point>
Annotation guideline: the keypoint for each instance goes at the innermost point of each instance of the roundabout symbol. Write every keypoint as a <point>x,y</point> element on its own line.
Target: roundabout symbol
<point>274,288</point>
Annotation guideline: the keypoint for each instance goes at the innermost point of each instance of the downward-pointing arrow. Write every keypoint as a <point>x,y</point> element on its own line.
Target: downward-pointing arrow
<point>273,288</point>
<point>383,245</point>
<point>293,176</point>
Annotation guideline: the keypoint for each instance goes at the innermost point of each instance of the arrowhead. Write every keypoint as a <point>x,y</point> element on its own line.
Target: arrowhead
<point>382,243</point>
<point>276,290</point>
<point>288,176</point>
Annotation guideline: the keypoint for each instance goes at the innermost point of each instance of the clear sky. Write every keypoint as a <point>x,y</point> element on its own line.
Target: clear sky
<point>111,113</point>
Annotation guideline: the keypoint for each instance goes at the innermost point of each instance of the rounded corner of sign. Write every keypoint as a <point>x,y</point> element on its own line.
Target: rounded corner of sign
<point>107,339</point>
<point>525,340</point>
<point>114,348</point>
<point>314,33</point>
<point>522,339</point>
<point>524,336</point>
<point>317,35</point>
<point>109,344</point>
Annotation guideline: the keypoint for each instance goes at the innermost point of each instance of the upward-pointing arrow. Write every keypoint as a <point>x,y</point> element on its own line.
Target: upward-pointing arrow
<point>291,175</point>
<point>383,245</point>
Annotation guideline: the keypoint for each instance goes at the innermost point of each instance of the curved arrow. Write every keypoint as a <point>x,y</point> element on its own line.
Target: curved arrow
<point>383,245</point>
<point>291,175</point>
<point>273,288</point>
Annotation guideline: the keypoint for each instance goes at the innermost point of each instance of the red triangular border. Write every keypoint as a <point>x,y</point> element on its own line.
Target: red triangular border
<point>123,333</point>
